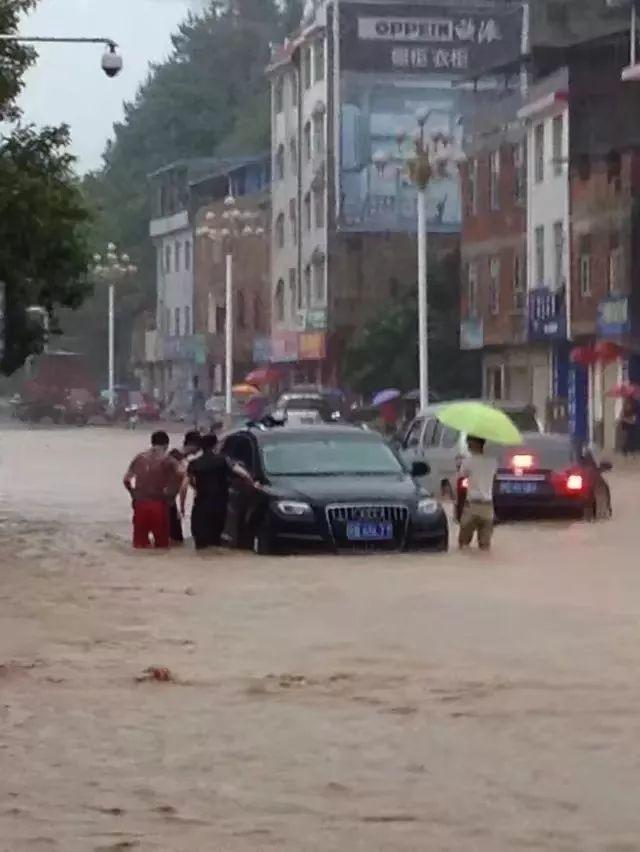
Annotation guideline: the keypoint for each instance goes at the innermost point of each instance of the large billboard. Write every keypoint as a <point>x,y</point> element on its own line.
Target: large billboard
<point>399,61</point>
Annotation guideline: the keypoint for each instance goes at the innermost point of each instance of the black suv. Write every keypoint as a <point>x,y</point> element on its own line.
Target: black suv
<point>327,487</point>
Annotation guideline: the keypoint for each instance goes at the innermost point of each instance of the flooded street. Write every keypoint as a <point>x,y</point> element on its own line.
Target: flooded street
<point>409,703</point>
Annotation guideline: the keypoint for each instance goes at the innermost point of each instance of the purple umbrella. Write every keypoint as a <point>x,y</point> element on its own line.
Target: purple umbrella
<point>384,396</point>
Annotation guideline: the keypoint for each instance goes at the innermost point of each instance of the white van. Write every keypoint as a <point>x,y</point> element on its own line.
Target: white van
<point>442,448</point>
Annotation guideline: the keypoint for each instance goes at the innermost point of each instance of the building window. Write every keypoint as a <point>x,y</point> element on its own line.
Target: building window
<point>585,267</point>
<point>187,320</point>
<point>211,314</point>
<point>221,319</point>
<point>557,128</point>
<point>306,67</point>
<point>307,285</point>
<point>472,290</point>
<point>279,163</point>
<point>520,168</point>
<point>518,283</point>
<point>558,254</point>
<point>538,142</point>
<point>307,212</point>
<point>293,155</point>
<point>240,310</point>
<point>494,180</point>
<point>494,383</point>
<point>177,328</point>
<point>318,282</point>
<point>494,286</point>
<point>318,203</point>
<point>307,141</point>
<point>187,256</point>
<point>319,60</point>
<point>539,256</point>
<point>293,293</point>
<point>178,256</point>
<point>279,301</point>
<point>293,220</point>
<point>473,187</point>
<point>167,259</point>
<point>615,283</point>
<point>318,134</point>
<point>278,95</point>
<point>280,231</point>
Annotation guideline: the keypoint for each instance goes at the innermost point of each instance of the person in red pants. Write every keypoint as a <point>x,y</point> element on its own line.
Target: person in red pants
<point>153,480</point>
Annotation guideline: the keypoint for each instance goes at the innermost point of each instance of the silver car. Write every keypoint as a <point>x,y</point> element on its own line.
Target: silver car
<point>442,448</point>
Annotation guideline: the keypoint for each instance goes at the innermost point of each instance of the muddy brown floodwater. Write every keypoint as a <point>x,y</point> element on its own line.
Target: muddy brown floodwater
<point>405,703</point>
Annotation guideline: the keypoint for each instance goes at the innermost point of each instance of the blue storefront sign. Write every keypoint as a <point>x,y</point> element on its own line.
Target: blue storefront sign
<point>578,401</point>
<point>261,350</point>
<point>547,315</point>
<point>613,317</point>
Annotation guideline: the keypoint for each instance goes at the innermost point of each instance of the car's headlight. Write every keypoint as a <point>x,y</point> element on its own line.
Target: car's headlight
<point>427,506</point>
<point>293,508</point>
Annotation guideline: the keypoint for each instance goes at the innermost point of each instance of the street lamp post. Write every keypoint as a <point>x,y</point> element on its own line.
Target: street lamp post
<point>235,225</point>
<point>113,268</point>
<point>431,159</point>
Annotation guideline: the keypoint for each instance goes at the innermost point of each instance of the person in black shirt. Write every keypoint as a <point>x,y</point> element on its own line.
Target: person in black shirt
<point>209,476</point>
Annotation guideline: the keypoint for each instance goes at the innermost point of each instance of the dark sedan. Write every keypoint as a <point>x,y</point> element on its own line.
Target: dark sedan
<point>327,487</point>
<point>550,474</point>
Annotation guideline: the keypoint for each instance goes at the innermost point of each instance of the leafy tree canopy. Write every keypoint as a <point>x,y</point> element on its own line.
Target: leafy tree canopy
<point>43,249</point>
<point>384,353</point>
<point>209,97</point>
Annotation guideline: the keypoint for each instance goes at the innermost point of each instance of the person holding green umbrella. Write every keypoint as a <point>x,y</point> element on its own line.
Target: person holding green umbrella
<point>481,423</point>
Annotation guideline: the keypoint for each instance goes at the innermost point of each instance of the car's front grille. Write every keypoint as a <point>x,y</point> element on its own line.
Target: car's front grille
<point>339,516</point>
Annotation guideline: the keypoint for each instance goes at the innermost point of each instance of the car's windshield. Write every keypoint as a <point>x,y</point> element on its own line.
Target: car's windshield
<point>329,457</point>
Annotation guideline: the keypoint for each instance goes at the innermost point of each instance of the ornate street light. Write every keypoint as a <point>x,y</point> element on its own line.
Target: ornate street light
<point>227,229</point>
<point>112,268</point>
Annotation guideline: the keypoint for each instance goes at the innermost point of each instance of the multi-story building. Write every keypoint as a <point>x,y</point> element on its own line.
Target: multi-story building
<point>172,350</point>
<point>581,322</point>
<point>493,252</point>
<point>247,181</point>
<point>545,115</point>
<point>348,96</point>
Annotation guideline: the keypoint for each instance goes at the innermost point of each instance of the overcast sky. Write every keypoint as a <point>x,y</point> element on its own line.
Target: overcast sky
<point>68,84</point>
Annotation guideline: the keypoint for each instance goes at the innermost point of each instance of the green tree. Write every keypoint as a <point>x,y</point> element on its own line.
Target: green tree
<point>384,353</point>
<point>43,219</point>
<point>210,97</point>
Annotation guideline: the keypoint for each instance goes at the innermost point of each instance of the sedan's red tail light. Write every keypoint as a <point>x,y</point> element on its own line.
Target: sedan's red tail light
<point>575,482</point>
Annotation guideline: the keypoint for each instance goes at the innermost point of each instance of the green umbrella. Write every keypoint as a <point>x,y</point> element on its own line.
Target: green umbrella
<point>482,421</point>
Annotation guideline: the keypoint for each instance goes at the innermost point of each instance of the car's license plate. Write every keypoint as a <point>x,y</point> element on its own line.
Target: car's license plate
<point>521,488</point>
<point>369,531</point>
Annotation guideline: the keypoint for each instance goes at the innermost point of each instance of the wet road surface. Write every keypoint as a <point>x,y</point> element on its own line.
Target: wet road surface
<point>407,703</point>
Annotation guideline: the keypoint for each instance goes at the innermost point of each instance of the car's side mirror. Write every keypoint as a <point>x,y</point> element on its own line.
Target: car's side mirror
<point>605,467</point>
<point>419,469</point>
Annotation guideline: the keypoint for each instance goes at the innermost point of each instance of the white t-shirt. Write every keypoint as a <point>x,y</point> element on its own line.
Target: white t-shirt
<point>480,470</point>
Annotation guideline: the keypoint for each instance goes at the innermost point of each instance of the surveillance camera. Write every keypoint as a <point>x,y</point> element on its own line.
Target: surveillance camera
<point>112,62</point>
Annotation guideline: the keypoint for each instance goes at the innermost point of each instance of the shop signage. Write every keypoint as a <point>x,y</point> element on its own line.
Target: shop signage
<point>577,402</point>
<point>317,319</point>
<point>410,38</point>
<point>189,348</point>
<point>284,347</point>
<point>261,350</point>
<point>312,346</point>
<point>613,317</point>
<point>547,314</point>
<point>471,334</point>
